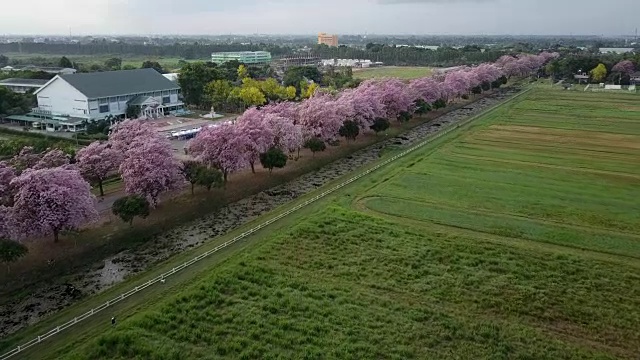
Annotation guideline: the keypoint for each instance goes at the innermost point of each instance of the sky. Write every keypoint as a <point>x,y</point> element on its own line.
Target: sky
<point>420,17</point>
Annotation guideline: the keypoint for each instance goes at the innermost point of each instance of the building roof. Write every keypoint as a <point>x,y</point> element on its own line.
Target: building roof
<point>24,82</point>
<point>122,82</point>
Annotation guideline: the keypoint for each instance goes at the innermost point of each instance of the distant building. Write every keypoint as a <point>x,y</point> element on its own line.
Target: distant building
<point>66,102</point>
<point>327,39</point>
<point>616,50</point>
<point>354,63</point>
<point>49,70</point>
<point>635,78</point>
<point>297,60</point>
<point>172,76</point>
<point>23,85</point>
<point>245,57</point>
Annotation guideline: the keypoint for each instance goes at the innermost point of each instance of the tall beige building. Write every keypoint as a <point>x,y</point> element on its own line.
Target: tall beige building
<point>329,40</point>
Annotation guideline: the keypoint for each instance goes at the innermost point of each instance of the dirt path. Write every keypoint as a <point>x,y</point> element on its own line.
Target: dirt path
<point>53,297</point>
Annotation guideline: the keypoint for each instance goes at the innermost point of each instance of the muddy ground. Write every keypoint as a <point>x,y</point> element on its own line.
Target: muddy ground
<point>54,297</point>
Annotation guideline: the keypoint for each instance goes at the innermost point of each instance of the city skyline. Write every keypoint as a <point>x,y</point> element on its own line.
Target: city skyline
<point>400,17</point>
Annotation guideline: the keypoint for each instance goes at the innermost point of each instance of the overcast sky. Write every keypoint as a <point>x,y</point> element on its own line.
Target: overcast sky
<point>518,17</point>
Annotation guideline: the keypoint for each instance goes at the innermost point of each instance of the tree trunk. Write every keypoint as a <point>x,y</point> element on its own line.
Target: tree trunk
<point>131,222</point>
<point>192,188</point>
<point>298,154</point>
<point>225,173</point>
<point>101,189</point>
<point>56,236</point>
<point>253,170</point>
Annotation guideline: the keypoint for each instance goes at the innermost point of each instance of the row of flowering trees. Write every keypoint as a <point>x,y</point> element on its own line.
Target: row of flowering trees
<point>324,117</point>
<point>45,194</point>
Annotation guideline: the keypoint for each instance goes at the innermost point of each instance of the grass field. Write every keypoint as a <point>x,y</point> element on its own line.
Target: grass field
<point>515,238</point>
<point>402,72</point>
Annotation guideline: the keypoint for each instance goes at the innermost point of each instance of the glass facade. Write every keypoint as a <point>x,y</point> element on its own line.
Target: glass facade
<point>246,57</point>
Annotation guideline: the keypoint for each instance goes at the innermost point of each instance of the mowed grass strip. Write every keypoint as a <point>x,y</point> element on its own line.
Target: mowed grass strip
<point>344,285</point>
<point>510,226</point>
<point>401,72</point>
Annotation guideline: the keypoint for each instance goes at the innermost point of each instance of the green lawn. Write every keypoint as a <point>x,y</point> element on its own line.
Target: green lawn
<point>402,72</point>
<point>517,237</point>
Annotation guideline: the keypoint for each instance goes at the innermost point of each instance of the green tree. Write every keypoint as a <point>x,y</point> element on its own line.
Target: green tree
<point>315,144</point>
<point>439,104</point>
<point>113,64</point>
<point>219,92</point>
<point>243,73</point>
<point>422,107</point>
<point>273,158</point>
<point>251,96</point>
<point>4,61</point>
<point>128,67</point>
<point>153,65</point>
<point>192,80</point>
<point>11,251</point>
<point>65,62</point>
<point>209,177</point>
<point>599,73</point>
<point>349,130</point>
<point>404,116</point>
<point>190,171</point>
<point>380,124</point>
<point>129,207</point>
<point>132,112</point>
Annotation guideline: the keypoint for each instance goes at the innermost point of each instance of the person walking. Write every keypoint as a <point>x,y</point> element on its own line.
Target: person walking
<point>113,321</point>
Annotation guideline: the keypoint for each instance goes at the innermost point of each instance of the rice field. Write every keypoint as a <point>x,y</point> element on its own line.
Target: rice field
<point>517,237</point>
<point>401,72</point>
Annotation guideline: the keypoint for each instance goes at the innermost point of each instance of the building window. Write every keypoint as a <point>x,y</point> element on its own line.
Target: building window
<point>104,109</point>
<point>122,98</point>
<point>103,101</point>
<point>165,93</point>
<point>113,99</point>
<point>166,100</point>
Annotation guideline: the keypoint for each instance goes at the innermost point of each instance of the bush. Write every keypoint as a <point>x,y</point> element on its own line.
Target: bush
<point>349,130</point>
<point>380,124</point>
<point>273,158</point>
<point>315,144</point>
<point>129,207</point>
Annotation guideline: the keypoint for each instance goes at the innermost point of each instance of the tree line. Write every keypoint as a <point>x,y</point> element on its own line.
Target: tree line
<point>48,193</point>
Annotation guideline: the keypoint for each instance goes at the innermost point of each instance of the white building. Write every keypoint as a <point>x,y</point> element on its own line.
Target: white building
<point>22,86</point>
<point>48,70</point>
<point>95,96</point>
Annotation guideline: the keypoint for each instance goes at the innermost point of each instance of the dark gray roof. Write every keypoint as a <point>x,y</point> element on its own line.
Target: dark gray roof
<point>33,82</point>
<point>122,82</point>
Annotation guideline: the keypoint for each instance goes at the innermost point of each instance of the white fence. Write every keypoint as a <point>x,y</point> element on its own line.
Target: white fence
<point>183,266</point>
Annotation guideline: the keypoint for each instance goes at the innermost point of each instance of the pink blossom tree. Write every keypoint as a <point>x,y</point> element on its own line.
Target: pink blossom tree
<point>319,117</point>
<point>51,159</point>
<point>220,147</point>
<point>624,67</point>
<point>7,173</point>
<point>149,168</point>
<point>125,133</point>
<point>362,105</point>
<point>97,161</point>
<point>457,82</point>
<point>7,225</point>
<point>27,158</point>
<point>51,200</point>
<point>426,89</point>
<point>286,135</point>
<point>285,109</point>
<point>257,134</point>
<point>395,95</point>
